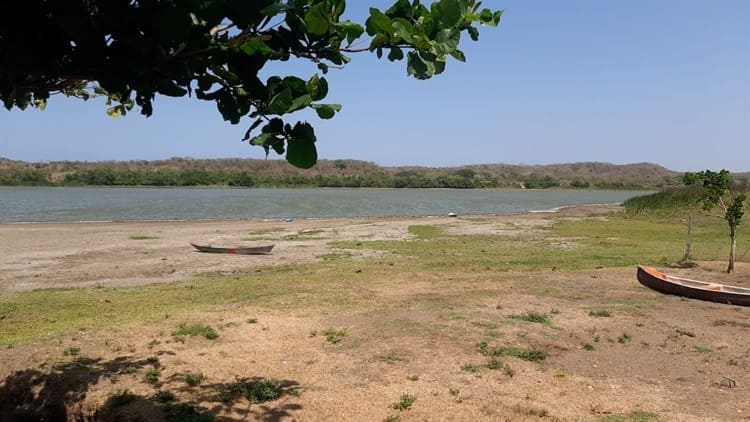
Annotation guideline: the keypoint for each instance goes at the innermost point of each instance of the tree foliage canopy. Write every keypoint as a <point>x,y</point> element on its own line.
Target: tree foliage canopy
<point>132,50</point>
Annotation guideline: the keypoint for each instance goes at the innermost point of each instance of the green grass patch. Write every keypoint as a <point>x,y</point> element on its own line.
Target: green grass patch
<point>534,317</point>
<point>531,355</point>
<point>333,335</point>
<point>152,375</point>
<point>619,240</point>
<point>602,313</point>
<point>194,379</point>
<point>196,330</point>
<point>257,391</point>
<point>425,232</point>
<point>405,402</point>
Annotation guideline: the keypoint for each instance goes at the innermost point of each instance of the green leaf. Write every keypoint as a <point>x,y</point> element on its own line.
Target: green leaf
<point>228,76</point>
<point>337,8</point>
<point>446,41</point>
<point>116,111</point>
<point>458,55</point>
<point>417,67</point>
<point>326,111</point>
<point>378,22</point>
<point>205,82</point>
<point>400,9</point>
<point>299,103</point>
<point>352,30</point>
<point>395,54</point>
<point>450,12</point>
<point>378,41</point>
<point>267,141</point>
<point>486,17</point>
<point>297,85</point>
<point>316,21</point>
<point>275,126</point>
<point>439,66</point>
<point>404,29</point>
<point>317,88</point>
<point>473,33</point>
<point>252,127</point>
<point>228,106</point>
<point>256,46</point>
<point>281,102</point>
<point>170,88</point>
<point>301,150</point>
<point>275,8</point>
<point>495,18</point>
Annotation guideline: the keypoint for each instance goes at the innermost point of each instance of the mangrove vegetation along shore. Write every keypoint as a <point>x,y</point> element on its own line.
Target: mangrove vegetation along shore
<point>335,173</point>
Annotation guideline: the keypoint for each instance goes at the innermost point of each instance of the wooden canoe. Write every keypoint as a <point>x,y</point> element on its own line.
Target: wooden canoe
<point>239,250</point>
<point>703,290</point>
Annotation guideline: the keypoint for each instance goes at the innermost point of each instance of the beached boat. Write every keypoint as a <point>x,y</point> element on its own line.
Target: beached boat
<point>239,250</point>
<point>703,290</point>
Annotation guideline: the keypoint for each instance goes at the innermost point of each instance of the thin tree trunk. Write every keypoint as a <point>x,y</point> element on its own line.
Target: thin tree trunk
<point>686,258</point>
<point>732,248</point>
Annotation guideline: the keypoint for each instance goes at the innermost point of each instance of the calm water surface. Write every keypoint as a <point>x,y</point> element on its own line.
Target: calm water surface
<point>107,204</point>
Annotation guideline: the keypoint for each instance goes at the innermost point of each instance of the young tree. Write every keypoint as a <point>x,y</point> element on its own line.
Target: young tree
<point>717,192</point>
<point>132,50</point>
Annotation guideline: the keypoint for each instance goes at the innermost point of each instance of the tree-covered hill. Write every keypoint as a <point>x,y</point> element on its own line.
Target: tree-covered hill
<point>336,173</point>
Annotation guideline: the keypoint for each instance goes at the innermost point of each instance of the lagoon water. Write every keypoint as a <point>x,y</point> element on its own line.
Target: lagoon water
<point>62,204</point>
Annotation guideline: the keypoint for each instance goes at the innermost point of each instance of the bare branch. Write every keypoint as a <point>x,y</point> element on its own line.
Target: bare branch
<point>220,28</point>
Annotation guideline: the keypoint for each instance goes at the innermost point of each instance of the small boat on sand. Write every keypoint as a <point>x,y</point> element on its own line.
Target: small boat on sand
<point>238,250</point>
<point>703,290</point>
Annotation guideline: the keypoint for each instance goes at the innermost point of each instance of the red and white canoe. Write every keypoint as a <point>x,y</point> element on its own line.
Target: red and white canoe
<point>703,290</point>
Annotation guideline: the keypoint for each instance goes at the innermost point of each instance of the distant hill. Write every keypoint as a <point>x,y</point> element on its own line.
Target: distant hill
<point>337,173</point>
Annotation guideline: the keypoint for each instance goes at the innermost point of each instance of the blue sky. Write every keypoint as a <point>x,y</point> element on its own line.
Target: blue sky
<point>617,81</point>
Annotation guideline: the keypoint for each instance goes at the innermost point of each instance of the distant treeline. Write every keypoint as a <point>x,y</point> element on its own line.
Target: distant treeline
<point>24,177</point>
<point>461,179</point>
<point>336,173</point>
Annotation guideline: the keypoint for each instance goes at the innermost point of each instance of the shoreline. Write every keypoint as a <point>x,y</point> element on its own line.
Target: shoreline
<point>128,253</point>
<point>556,210</point>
